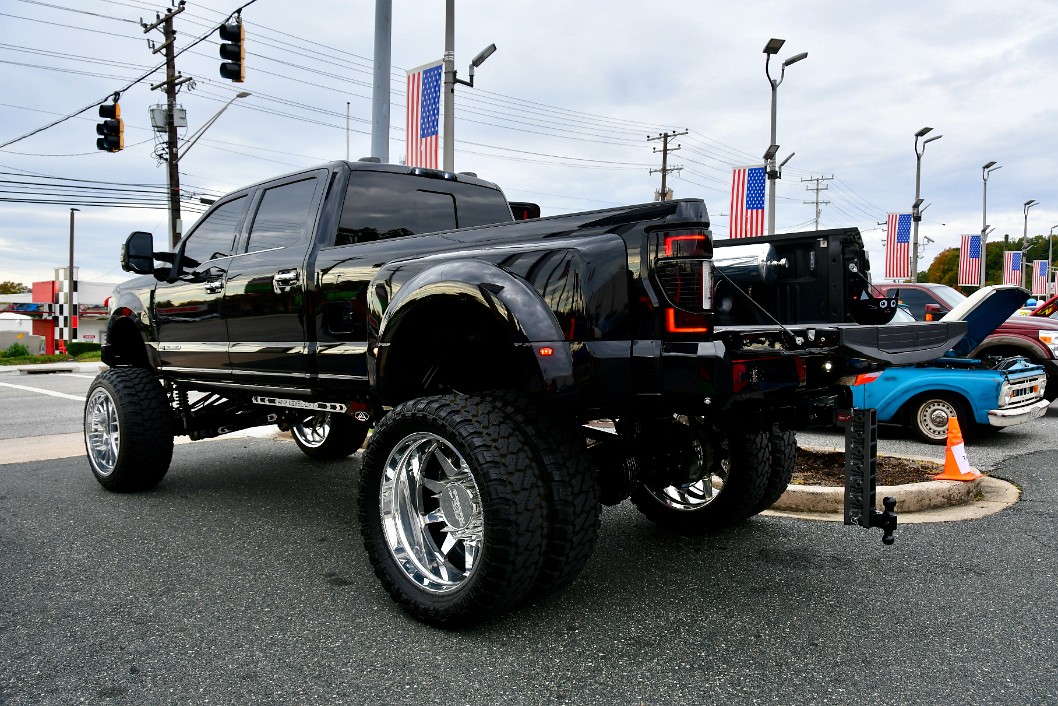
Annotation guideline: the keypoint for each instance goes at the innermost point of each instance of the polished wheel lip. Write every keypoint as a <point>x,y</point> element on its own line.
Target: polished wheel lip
<point>929,418</point>
<point>102,433</point>
<point>423,475</point>
<point>313,430</point>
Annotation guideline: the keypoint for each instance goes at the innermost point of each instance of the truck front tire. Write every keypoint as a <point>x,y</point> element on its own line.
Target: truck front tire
<point>128,429</point>
<point>452,509</point>
<point>329,437</point>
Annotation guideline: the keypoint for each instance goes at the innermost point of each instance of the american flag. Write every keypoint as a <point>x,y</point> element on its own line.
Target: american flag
<point>1012,267</point>
<point>970,261</point>
<point>424,106</point>
<point>747,202</point>
<point>1039,278</point>
<point>898,246</point>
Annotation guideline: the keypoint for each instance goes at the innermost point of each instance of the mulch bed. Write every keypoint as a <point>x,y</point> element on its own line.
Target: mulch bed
<point>828,468</point>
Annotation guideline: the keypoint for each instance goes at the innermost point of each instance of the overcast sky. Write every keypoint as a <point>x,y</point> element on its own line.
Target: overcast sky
<point>560,113</point>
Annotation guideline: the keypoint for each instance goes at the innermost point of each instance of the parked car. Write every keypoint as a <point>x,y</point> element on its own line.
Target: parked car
<point>1047,310</point>
<point>1034,337</point>
<point>993,393</point>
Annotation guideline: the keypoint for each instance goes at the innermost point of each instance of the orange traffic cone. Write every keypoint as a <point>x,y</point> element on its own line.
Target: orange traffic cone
<point>956,464</point>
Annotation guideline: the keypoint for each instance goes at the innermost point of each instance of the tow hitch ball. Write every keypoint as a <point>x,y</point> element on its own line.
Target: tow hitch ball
<point>861,471</point>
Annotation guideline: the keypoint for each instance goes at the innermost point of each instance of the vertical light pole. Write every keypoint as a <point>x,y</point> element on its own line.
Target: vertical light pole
<point>1025,238</point>
<point>380,84</point>
<point>70,313</point>
<point>985,171</point>
<point>770,49</point>
<point>448,140</point>
<point>916,208</point>
<point>1050,261</point>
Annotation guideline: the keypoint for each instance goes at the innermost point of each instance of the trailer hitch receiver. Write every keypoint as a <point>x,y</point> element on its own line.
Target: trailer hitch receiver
<point>861,472</point>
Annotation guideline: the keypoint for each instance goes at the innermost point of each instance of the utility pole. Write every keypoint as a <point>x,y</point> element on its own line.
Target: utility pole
<point>817,189</point>
<point>170,84</point>
<point>665,168</point>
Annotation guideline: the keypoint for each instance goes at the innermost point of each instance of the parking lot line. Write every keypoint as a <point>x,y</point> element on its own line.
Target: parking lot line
<point>63,395</point>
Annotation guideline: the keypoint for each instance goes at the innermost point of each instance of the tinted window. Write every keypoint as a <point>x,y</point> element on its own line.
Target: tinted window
<point>379,206</point>
<point>282,218</point>
<point>214,235</point>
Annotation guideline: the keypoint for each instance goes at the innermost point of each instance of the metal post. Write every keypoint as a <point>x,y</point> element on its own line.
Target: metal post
<point>771,48</point>
<point>916,208</point>
<point>985,171</point>
<point>69,289</point>
<point>381,91</point>
<point>448,157</point>
<point>1025,239</point>
<point>1050,262</point>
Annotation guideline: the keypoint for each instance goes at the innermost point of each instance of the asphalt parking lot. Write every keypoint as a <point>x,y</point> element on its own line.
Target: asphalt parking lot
<point>241,579</point>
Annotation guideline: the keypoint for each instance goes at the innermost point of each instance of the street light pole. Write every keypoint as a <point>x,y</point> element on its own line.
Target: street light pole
<point>448,140</point>
<point>70,311</point>
<point>985,171</point>
<point>770,49</point>
<point>1050,261</point>
<point>916,210</point>
<point>189,142</point>
<point>1025,238</point>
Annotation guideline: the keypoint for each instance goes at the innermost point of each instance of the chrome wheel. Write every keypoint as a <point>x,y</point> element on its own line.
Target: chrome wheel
<point>313,431</point>
<point>431,513</point>
<point>102,432</point>
<point>712,467</point>
<point>932,418</point>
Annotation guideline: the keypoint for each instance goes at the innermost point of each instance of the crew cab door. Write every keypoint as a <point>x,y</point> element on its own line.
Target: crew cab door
<point>265,300</point>
<point>192,336</point>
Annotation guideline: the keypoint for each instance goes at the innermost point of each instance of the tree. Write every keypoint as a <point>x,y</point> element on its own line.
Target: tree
<point>14,288</point>
<point>944,269</point>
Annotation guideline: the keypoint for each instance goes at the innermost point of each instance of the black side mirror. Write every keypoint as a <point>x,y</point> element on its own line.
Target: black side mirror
<point>137,254</point>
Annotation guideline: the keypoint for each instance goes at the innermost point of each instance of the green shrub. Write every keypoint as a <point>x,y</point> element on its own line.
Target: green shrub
<point>77,348</point>
<point>16,350</point>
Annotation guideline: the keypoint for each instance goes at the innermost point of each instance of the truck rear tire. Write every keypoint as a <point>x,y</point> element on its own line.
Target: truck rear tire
<point>730,492</point>
<point>783,445</point>
<point>128,429</point>
<point>452,509</point>
<point>329,437</point>
<point>573,492</point>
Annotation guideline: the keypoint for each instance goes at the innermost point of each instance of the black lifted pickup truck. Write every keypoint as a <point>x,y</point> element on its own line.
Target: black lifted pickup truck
<point>515,374</point>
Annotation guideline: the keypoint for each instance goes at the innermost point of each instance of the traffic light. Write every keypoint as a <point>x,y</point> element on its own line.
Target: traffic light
<point>112,129</point>
<point>233,52</point>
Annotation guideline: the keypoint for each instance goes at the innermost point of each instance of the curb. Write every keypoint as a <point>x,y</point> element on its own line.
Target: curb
<point>44,368</point>
<point>928,501</point>
<point>911,497</point>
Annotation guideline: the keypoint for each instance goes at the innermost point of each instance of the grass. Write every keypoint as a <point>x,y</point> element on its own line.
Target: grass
<point>90,357</point>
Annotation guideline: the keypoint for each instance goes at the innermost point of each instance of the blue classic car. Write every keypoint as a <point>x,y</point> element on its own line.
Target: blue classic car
<point>991,393</point>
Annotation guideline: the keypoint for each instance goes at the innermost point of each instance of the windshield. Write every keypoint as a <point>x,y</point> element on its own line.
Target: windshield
<point>948,295</point>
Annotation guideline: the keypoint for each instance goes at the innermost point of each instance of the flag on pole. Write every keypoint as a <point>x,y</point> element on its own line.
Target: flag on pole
<point>1012,267</point>
<point>970,261</point>
<point>1039,278</point>
<point>747,202</point>
<point>424,107</point>
<point>898,246</point>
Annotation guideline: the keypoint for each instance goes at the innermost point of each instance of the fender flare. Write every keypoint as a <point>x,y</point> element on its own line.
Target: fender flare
<point>509,299</point>
<point>129,307</point>
<point>1029,346</point>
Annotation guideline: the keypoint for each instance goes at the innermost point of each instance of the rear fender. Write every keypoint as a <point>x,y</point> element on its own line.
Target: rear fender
<point>508,299</point>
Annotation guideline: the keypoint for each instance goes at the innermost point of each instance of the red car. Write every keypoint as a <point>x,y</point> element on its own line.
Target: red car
<point>1034,337</point>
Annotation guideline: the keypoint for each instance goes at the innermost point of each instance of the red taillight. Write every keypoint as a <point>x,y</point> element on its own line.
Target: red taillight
<point>866,378</point>
<point>546,351</point>
<point>677,321</point>
<point>686,245</point>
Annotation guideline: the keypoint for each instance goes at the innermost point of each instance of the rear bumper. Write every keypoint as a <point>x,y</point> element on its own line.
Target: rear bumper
<point>1018,415</point>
